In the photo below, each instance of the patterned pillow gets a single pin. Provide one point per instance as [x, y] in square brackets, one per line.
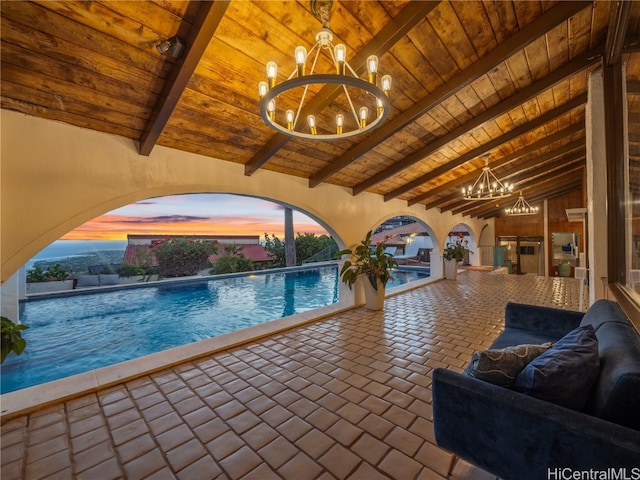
[502, 366]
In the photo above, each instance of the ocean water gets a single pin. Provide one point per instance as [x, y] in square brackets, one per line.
[61, 249]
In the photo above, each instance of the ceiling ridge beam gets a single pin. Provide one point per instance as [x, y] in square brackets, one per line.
[454, 200]
[200, 34]
[503, 51]
[534, 147]
[501, 108]
[482, 149]
[397, 28]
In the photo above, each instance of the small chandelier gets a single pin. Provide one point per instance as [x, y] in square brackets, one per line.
[487, 186]
[521, 207]
[361, 96]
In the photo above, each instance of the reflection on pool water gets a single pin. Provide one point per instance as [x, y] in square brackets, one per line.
[81, 332]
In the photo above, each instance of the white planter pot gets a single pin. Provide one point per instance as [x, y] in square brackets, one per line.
[374, 299]
[451, 269]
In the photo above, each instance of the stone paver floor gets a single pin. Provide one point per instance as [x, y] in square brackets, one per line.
[347, 397]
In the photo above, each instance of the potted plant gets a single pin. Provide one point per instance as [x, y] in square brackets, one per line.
[11, 336]
[454, 253]
[373, 266]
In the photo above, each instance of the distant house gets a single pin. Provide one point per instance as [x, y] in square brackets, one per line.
[248, 245]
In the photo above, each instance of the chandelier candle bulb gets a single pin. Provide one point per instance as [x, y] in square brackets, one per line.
[364, 113]
[272, 73]
[311, 120]
[372, 68]
[272, 109]
[340, 51]
[301, 59]
[339, 123]
[386, 84]
[263, 88]
[290, 117]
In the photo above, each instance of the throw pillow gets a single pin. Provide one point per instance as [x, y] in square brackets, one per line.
[566, 372]
[501, 366]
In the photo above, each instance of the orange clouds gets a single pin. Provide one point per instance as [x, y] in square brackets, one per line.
[116, 227]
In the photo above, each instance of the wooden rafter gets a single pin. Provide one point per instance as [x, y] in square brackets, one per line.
[200, 34]
[483, 149]
[501, 108]
[522, 38]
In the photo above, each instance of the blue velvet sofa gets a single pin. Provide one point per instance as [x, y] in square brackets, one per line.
[517, 436]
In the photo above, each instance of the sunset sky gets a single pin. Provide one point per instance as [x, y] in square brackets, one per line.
[194, 214]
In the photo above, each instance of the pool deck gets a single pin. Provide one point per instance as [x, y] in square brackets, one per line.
[346, 396]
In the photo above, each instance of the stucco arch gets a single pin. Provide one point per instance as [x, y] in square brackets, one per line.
[56, 177]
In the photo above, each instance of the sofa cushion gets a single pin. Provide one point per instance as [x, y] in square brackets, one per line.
[604, 311]
[502, 366]
[616, 395]
[566, 372]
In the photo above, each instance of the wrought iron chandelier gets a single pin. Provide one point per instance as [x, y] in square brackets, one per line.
[354, 98]
[521, 207]
[487, 186]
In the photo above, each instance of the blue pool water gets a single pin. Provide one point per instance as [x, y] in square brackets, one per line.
[82, 332]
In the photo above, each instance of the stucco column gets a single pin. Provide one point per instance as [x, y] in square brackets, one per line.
[596, 187]
[10, 293]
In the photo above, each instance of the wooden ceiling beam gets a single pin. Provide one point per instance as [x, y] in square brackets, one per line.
[616, 32]
[519, 167]
[501, 108]
[487, 147]
[529, 149]
[502, 52]
[200, 34]
[397, 28]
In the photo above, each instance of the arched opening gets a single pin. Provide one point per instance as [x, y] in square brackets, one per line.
[107, 241]
[411, 242]
[462, 234]
[122, 320]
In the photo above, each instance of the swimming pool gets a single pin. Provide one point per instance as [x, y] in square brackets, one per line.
[81, 332]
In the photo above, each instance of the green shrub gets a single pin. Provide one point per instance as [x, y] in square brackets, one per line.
[129, 270]
[181, 257]
[232, 263]
[51, 274]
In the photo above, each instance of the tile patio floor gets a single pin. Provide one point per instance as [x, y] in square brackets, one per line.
[346, 397]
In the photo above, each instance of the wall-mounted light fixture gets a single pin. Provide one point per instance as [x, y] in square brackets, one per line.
[172, 47]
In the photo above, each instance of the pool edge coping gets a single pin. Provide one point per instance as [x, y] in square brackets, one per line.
[31, 399]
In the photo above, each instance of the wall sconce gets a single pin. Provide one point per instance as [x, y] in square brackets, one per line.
[172, 47]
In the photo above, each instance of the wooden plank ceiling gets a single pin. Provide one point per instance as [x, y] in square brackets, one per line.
[506, 81]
